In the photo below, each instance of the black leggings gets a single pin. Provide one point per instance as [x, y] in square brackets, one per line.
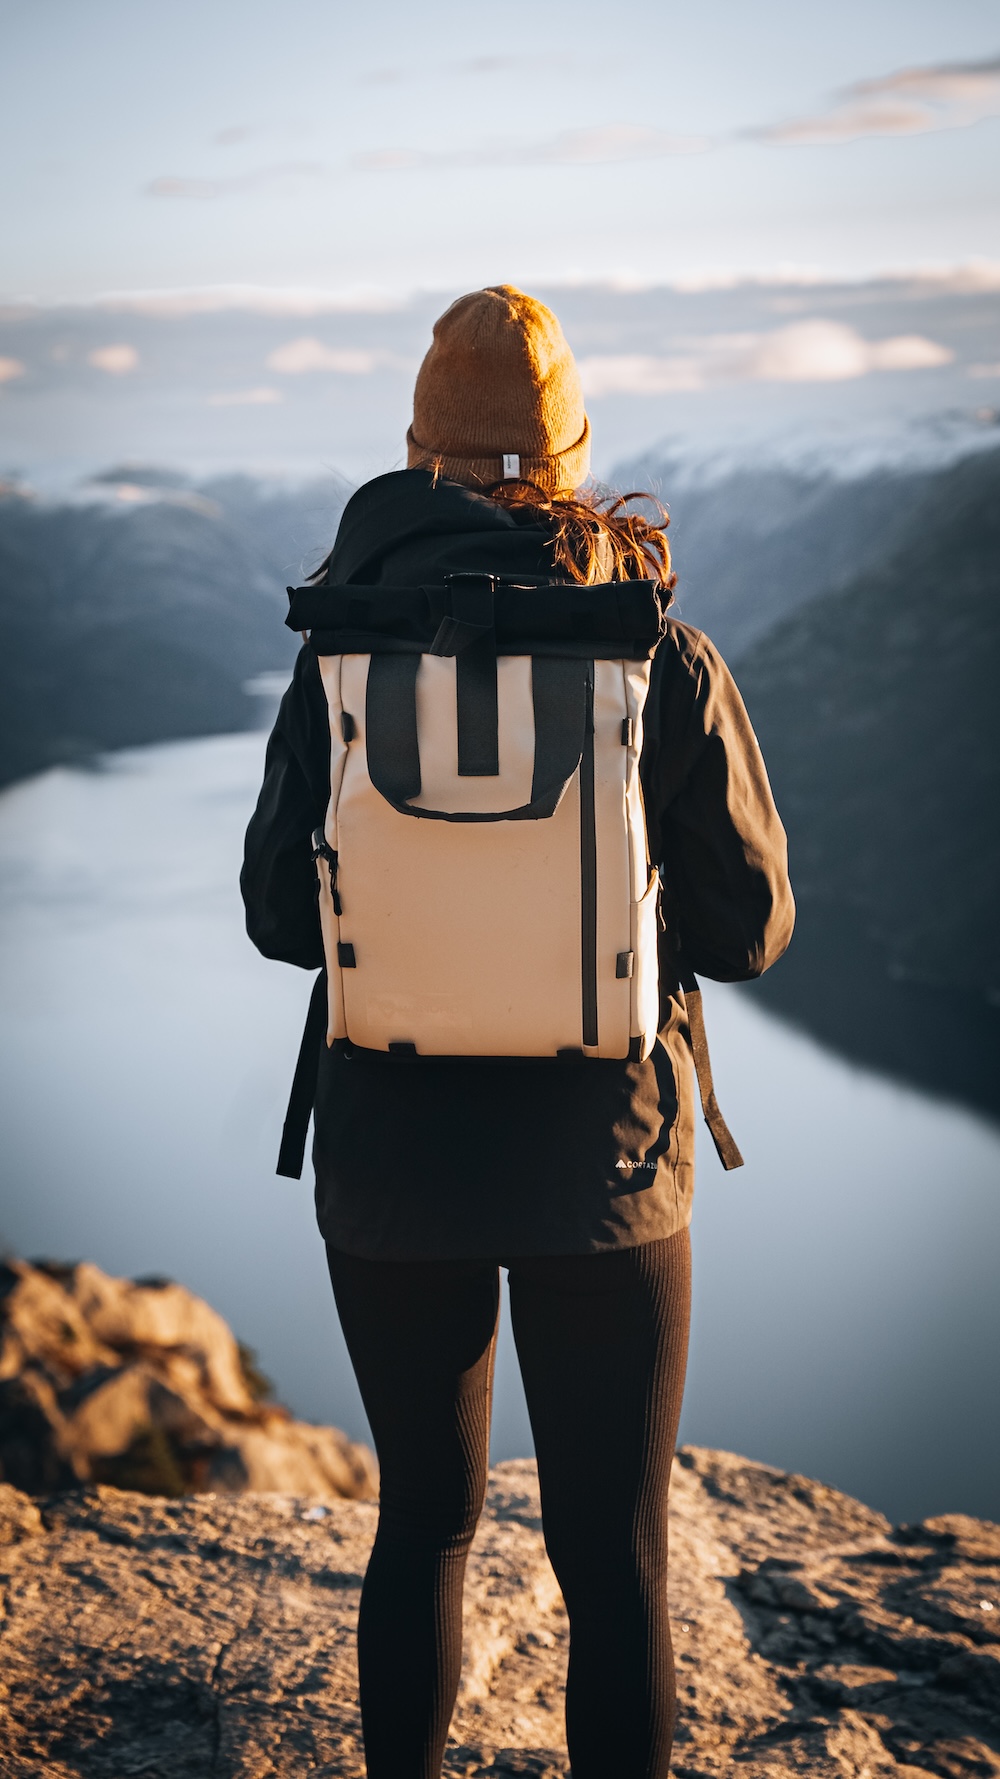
[602, 1343]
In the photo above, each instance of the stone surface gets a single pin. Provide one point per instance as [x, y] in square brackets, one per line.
[140, 1384]
[213, 1637]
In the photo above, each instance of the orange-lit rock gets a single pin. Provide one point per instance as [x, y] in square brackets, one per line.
[142, 1385]
[215, 1635]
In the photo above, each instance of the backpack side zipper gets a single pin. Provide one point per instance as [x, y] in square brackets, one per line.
[588, 871]
[321, 850]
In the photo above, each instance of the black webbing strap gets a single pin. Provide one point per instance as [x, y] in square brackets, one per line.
[728, 1153]
[559, 703]
[476, 682]
[303, 1095]
[558, 691]
[391, 727]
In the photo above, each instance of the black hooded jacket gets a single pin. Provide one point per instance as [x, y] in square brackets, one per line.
[437, 1157]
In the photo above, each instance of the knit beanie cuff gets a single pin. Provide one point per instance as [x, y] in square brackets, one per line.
[561, 473]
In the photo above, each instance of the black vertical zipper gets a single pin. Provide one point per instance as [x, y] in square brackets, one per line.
[322, 851]
[588, 870]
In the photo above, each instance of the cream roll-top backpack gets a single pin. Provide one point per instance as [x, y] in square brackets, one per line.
[485, 886]
[484, 878]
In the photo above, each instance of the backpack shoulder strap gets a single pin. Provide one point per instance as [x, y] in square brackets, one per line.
[728, 1153]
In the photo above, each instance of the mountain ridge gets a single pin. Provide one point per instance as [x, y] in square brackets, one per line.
[877, 709]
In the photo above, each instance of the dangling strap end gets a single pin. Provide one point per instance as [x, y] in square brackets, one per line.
[725, 1146]
[291, 1154]
[722, 1137]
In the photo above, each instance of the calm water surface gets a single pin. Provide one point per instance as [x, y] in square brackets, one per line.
[847, 1315]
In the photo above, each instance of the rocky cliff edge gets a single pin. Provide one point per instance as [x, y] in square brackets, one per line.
[211, 1634]
[213, 1637]
[140, 1384]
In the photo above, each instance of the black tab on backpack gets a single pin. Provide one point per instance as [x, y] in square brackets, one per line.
[345, 956]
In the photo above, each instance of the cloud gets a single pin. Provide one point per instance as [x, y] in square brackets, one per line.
[946, 96]
[493, 65]
[475, 65]
[964, 278]
[814, 351]
[599, 145]
[245, 398]
[236, 184]
[983, 370]
[298, 357]
[910, 101]
[11, 368]
[117, 361]
[251, 299]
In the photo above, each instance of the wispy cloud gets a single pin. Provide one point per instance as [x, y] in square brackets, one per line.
[942, 96]
[495, 64]
[965, 278]
[599, 144]
[116, 361]
[251, 299]
[174, 187]
[945, 96]
[474, 65]
[245, 398]
[814, 351]
[298, 358]
[11, 368]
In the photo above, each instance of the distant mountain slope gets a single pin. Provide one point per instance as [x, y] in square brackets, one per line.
[864, 621]
[754, 544]
[140, 622]
[878, 709]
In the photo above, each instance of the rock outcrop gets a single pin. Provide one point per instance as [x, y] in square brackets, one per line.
[214, 1637]
[140, 1384]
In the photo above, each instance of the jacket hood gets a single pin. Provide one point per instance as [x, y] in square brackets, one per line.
[425, 527]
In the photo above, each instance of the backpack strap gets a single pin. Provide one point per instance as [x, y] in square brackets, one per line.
[303, 1094]
[726, 1149]
[302, 1097]
[559, 698]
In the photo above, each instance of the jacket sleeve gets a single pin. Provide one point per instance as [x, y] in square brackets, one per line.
[713, 827]
[278, 879]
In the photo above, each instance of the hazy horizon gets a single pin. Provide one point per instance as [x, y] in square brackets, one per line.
[277, 384]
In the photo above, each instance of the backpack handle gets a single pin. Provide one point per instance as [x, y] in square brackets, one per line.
[559, 698]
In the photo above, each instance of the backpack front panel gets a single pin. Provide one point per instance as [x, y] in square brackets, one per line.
[492, 938]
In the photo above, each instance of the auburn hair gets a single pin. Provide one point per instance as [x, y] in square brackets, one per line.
[594, 535]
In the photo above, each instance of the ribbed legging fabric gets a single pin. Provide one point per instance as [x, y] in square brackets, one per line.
[602, 1344]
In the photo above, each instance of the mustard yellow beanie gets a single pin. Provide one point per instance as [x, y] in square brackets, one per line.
[498, 397]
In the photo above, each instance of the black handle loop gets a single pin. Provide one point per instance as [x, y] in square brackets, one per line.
[558, 693]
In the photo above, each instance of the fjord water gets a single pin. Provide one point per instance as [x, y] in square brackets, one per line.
[846, 1323]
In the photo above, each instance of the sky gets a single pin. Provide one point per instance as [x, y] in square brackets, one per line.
[202, 382]
[392, 148]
